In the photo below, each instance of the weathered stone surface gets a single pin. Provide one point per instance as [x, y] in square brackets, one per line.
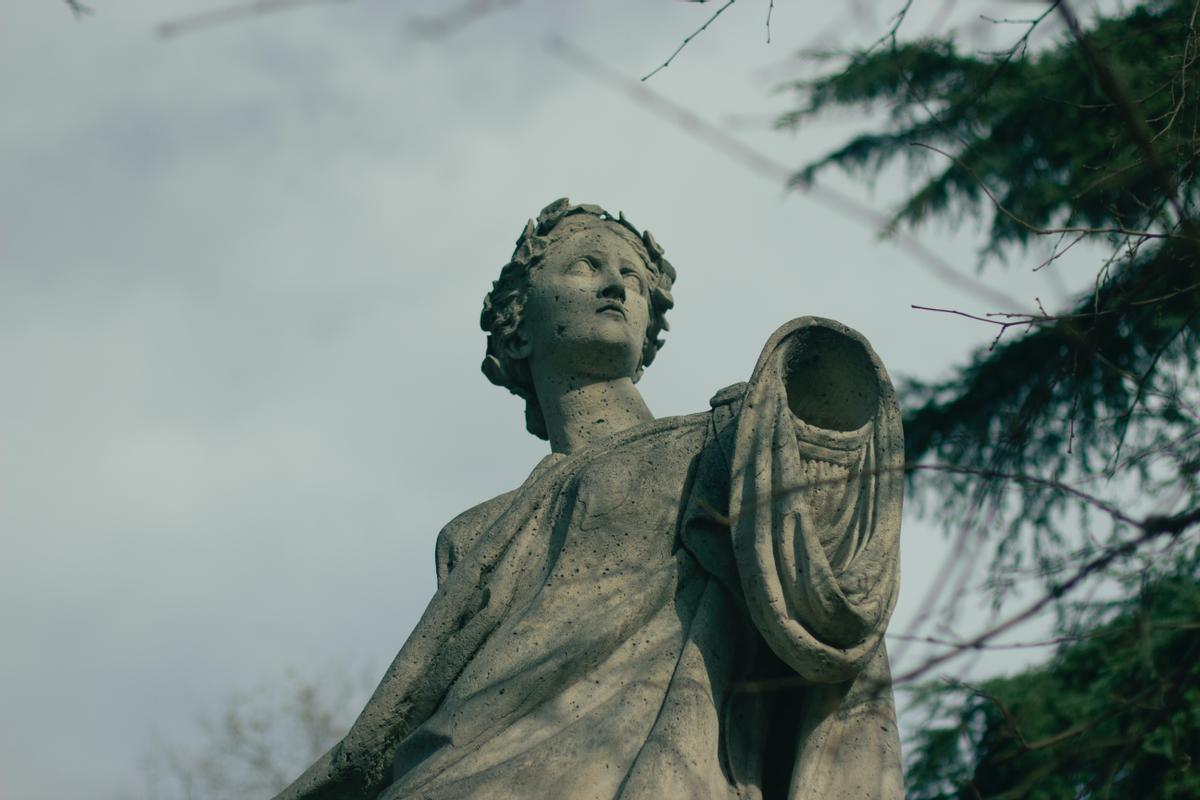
[686, 607]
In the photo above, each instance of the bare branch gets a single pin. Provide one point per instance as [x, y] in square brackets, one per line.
[1049, 741]
[688, 39]
[960, 645]
[1009, 319]
[1152, 528]
[892, 32]
[1053, 642]
[773, 170]
[1034, 228]
[1019, 47]
[1016, 319]
[1046, 483]
[1144, 381]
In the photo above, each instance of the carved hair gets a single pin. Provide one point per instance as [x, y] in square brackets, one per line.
[505, 303]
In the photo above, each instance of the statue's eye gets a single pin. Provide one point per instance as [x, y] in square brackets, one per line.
[633, 280]
[581, 267]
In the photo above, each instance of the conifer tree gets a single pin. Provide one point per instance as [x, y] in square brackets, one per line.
[1071, 446]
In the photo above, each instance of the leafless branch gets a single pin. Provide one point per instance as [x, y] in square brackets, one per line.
[1052, 642]
[1046, 483]
[1034, 228]
[1009, 319]
[1022, 320]
[1057, 253]
[959, 558]
[687, 39]
[960, 645]
[1152, 528]
[893, 31]
[1007, 21]
[1018, 47]
[1144, 381]
[1048, 741]
[771, 169]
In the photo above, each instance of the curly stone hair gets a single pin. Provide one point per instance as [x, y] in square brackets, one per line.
[505, 303]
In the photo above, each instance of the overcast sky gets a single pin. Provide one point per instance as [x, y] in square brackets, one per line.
[240, 279]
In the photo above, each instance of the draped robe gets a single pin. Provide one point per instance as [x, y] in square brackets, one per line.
[692, 608]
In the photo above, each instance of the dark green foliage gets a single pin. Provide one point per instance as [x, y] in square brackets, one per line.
[1084, 416]
[1102, 391]
[1038, 131]
[1114, 714]
[1103, 388]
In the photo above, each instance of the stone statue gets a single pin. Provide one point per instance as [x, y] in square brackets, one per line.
[689, 607]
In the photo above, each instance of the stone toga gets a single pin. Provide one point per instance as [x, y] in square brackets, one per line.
[693, 609]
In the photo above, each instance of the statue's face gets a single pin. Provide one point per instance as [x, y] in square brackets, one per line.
[588, 305]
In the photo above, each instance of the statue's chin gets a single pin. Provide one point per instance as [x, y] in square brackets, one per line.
[596, 358]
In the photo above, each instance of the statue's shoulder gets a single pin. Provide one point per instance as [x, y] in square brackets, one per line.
[725, 405]
[461, 532]
[731, 396]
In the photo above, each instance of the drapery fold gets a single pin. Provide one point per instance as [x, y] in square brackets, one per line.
[508, 551]
[800, 526]
[815, 522]
[815, 516]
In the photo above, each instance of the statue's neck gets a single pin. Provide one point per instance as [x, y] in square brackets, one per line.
[580, 410]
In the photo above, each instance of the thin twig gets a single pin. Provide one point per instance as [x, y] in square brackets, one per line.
[1048, 741]
[1009, 319]
[1016, 319]
[1022, 44]
[1127, 417]
[772, 169]
[1007, 21]
[1054, 642]
[1033, 480]
[1030, 226]
[1152, 527]
[904, 637]
[687, 39]
[896, 21]
[1057, 253]
[1156, 522]
[960, 557]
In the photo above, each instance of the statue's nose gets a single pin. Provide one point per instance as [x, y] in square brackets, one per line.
[613, 285]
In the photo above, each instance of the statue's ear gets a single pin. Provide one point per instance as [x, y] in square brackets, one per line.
[518, 346]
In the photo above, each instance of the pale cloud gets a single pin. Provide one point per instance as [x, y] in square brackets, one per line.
[240, 278]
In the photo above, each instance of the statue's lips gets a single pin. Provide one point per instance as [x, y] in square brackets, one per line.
[612, 307]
